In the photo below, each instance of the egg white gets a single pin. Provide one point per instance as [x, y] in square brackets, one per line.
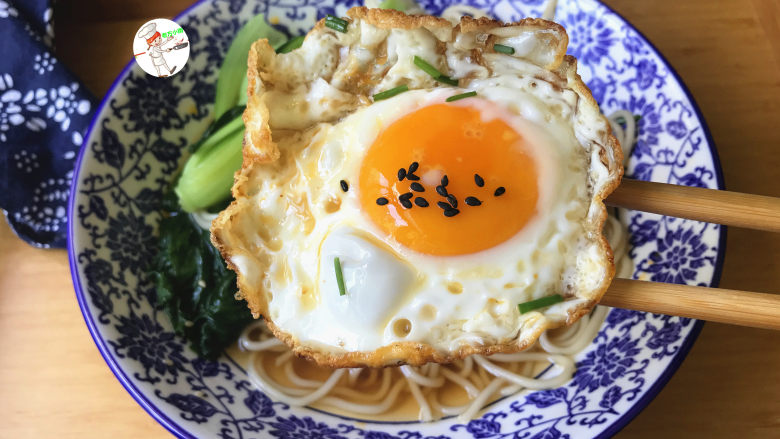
[386, 281]
[310, 120]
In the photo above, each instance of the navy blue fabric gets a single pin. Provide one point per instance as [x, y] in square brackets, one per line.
[44, 112]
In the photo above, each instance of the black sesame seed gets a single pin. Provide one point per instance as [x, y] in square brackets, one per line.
[405, 196]
[420, 201]
[445, 181]
[444, 205]
[413, 167]
[344, 185]
[479, 180]
[499, 191]
[381, 201]
[406, 203]
[401, 174]
[453, 201]
[441, 190]
[417, 187]
[451, 212]
[473, 201]
[412, 177]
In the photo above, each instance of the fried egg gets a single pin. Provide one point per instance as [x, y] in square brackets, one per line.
[373, 232]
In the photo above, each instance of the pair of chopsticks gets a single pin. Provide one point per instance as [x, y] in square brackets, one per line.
[736, 307]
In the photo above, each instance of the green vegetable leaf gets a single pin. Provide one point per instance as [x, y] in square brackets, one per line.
[194, 287]
[233, 69]
[228, 116]
[398, 5]
[243, 97]
[208, 175]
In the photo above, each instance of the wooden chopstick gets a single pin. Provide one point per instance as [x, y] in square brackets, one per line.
[735, 307]
[759, 310]
[709, 205]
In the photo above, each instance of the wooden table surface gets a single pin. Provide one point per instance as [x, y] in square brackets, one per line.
[53, 382]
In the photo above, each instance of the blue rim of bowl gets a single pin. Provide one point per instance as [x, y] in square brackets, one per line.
[181, 432]
[116, 369]
[685, 348]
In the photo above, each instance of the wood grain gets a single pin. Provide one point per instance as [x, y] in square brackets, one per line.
[729, 208]
[743, 308]
[53, 382]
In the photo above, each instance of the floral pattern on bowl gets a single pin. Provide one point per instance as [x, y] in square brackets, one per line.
[131, 153]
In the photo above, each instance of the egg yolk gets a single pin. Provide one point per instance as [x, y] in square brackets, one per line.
[453, 141]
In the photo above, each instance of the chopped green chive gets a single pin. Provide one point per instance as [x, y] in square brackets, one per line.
[336, 23]
[291, 45]
[461, 96]
[390, 93]
[447, 80]
[435, 74]
[338, 20]
[339, 276]
[427, 68]
[539, 303]
[500, 48]
[335, 26]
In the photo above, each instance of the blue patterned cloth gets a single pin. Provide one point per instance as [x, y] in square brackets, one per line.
[44, 112]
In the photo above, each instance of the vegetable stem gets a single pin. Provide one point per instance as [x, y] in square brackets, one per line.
[217, 137]
[208, 175]
[234, 67]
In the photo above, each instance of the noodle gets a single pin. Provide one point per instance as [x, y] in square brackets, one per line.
[479, 402]
[479, 377]
[367, 397]
[574, 339]
[447, 410]
[565, 363]
[468, 363]
[298, 381]
[368, 409]
[425, 408]
[549, 10]
[354, 373]
[420, 379]
[459, 380]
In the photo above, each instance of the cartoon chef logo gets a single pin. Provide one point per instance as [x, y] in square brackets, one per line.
[161, 48]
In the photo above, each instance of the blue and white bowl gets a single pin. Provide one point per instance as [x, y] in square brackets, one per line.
[136, 143]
